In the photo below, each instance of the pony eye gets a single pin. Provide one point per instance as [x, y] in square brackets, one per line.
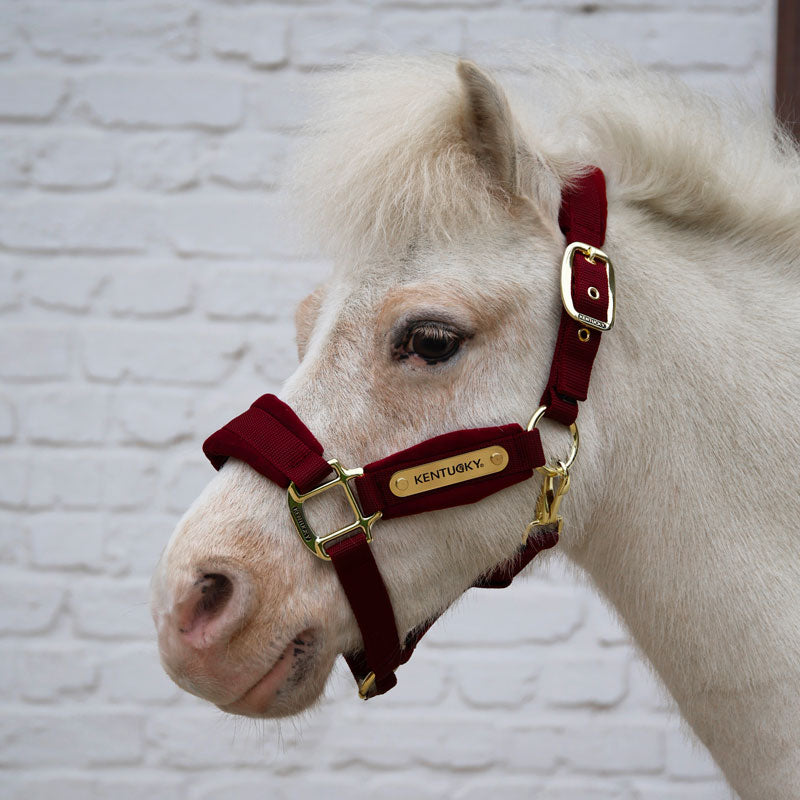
[431, 341]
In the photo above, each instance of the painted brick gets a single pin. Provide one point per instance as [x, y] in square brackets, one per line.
[195, 357]
[280, 100]
[115, 609]
[135, 541]
[10, 286]
[260, 36]
[68, 541]
[133, 674]
[609, 749]
[589, 681]
[30, 97]
[561, 789]
[13, 539]
[161, 162]
[61, 479]
[66, 416]
[98, 787]
[173, 735]
[476, 746]
[237, 227]
[64, 285]
[253, 788]
[34, 353]
[164, 100]
[132, 292]
[9, 32]
[70, 738]
[497, 681]
[129, 482]
[78, 225]
[604, 622]
[186, 480]
[708, 39]
[74, 162]
[16, 472]
[551, 615]
[28, 604]
[704, 790]
[276, 360]
[8, 420]
[519, 755]
[158, 128]
[686, 757]
[47, 673]
[646, 690]
[15, 161]
[407, 32]
[424, 682]
[321, 39]
[545, 789]
[248, 161]
[155, 418]
[89, 31]
[236, 293]
[486, 31]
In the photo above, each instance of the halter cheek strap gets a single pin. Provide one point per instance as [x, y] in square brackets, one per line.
[587, 294]
[450, 470]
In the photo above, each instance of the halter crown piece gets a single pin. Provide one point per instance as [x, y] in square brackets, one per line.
[454, 469]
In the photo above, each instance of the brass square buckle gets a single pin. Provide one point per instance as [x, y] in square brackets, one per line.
[317, 544]
[592, 255]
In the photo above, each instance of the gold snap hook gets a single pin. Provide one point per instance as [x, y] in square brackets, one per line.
[554, 487]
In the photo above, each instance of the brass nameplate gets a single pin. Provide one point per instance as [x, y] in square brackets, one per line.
[447, 471]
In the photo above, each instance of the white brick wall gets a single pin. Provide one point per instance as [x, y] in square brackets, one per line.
[147, 285]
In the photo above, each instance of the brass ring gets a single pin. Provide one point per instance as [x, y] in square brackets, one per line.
[583, 334]
[563, 466]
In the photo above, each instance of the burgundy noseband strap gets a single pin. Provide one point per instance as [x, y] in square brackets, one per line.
[450, 470]
[270, 437]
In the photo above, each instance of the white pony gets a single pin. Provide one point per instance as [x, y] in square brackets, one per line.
[438, 199]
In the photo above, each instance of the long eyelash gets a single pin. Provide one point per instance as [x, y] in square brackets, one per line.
[428, 328]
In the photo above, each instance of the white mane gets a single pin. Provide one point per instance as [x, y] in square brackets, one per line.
[385, 158]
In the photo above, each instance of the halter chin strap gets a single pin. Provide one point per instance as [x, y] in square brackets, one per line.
[454, 469]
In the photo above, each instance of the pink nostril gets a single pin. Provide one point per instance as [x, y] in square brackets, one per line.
[207, 613]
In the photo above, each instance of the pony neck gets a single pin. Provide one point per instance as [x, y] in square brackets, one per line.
[681, 503]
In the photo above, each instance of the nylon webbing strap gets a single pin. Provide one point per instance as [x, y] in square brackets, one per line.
[582, 219]
[366, 592]
[271, 438]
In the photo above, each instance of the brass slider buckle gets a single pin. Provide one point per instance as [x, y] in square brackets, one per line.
[592, 255]
[317, 544]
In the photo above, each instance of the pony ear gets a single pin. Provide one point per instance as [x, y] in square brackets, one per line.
[489, 126]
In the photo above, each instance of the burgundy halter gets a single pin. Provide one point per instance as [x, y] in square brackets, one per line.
[454, 469]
